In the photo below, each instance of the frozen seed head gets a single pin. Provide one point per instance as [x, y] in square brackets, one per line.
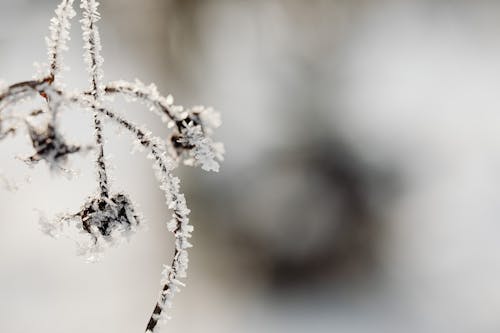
[104, 218]
[50, 146]
[105, 221]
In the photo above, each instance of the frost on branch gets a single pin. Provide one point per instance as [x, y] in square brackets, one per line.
[146, 94]
[192, 129]
[106, 219]
[92, 57]
[59, 36]
[195, 147]
[194, 143]
[92, 46]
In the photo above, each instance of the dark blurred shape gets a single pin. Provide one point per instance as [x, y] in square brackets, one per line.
[302, 216]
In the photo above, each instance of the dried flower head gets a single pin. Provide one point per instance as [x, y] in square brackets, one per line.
[109, 218]
[103, 217]
[50, 146]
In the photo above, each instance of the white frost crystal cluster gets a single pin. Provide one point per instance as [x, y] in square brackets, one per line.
[198, 148]
[109, 217]
[192, 129]
[60, 26]
[107, 221]
[146, 94]
[92, 45]
[102, 217]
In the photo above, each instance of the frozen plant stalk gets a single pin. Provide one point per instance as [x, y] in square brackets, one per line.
[108, 217]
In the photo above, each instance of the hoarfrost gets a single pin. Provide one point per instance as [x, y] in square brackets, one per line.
[106, 220]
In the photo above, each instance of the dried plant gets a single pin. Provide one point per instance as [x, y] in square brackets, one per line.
[107, 217]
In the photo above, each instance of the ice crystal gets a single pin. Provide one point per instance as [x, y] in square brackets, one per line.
[59, 36]
[208, 117]
[92, 46]
[107, 219]
[148, 95]
[198, 149]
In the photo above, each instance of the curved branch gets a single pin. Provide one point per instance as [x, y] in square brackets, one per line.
[148, 94]
[18, 91]
[179, 224]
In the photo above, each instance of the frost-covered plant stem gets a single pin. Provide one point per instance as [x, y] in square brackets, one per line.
[148, 94]
[59, 36]
[179, 224]
[60, 26]
[106, 217]
[93, 59]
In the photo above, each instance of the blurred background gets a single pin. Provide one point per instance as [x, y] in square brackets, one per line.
[361, 186]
